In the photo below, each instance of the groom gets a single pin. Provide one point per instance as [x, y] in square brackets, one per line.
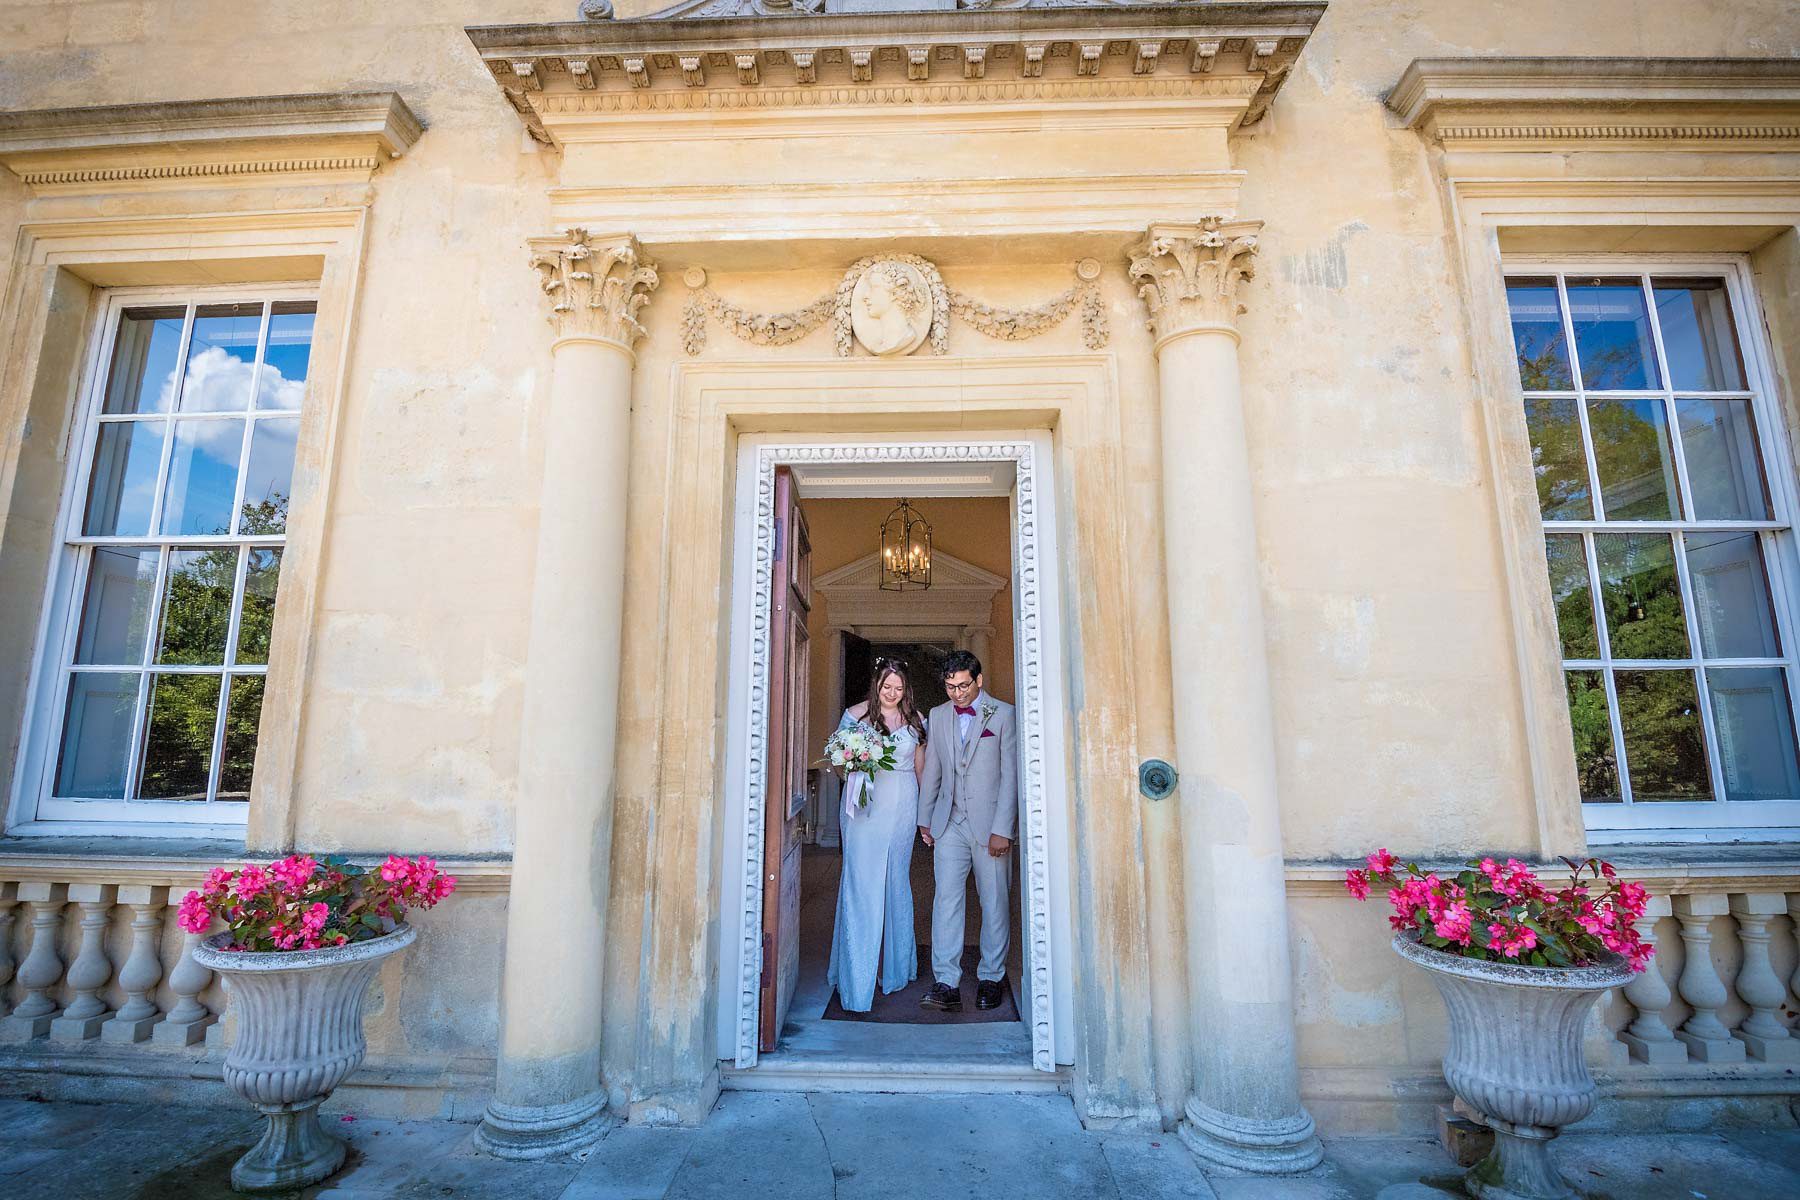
[968, 804]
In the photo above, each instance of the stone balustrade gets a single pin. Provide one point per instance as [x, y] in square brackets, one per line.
[82, 960]
[1721, 987]
[91, 952]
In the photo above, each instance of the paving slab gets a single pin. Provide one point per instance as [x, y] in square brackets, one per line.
[632, 1164]
[386, 1154]
[996, 1147]
[1155, 1169]
[1672, 1167]
[481, 1177]
[756, 1144]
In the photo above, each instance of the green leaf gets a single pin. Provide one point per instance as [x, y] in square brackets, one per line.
[1537, 959]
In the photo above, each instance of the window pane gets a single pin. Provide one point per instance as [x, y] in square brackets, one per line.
[262, 574]
[1612, 334]
[1731, 595]
[142, 378]
[1538, 341]
[290, 351]
[1640, 593]
[242, 712]
[96, 738]
[1557, 459]
[1574, 597]
[270, 476]
[221, 358]
[1633, 456]
[122, 487]
[202, 477]
[1718, 438]
[1698, 339]
[1756, 733]
[184, 710]
[1591, 721]
[115, 614]
[197, 605]
[1664, 742]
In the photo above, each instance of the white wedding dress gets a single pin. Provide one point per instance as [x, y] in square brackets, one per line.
[875, 903]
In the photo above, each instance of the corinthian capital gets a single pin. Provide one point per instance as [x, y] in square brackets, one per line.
[596, 285]
[1188, 275]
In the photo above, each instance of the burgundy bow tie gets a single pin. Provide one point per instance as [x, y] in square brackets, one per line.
[964, 712]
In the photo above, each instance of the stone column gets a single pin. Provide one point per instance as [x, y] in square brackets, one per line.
[980, 641]
[547, 1096]
[1244, 1108]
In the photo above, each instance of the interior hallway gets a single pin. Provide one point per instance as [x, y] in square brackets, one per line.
[807, 1035]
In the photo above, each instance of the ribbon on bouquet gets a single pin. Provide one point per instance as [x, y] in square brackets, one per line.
[853, 787]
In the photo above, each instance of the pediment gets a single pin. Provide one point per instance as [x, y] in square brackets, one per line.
[948, 575]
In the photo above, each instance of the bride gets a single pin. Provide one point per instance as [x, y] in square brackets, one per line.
[875, 904]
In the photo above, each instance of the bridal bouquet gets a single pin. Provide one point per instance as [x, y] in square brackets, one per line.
[858, 751]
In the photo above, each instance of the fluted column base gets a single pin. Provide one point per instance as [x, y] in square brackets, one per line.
[1283, 1146]
[525, 1131]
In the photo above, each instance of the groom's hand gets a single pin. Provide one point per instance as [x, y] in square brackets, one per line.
[925, 832]
[998, 846]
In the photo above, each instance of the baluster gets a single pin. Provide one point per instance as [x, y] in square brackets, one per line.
[186, 1023]
[1762, 1032]
[143, 966]
[91, 969]
[42, 967]
[1648, 1036]
[1701, 985]
[8, 898]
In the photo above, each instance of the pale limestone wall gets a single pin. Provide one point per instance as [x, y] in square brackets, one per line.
[1398, 705]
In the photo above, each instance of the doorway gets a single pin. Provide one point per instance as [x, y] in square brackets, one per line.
[777, 1006]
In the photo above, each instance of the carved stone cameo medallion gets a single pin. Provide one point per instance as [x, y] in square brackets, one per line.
[890, 309]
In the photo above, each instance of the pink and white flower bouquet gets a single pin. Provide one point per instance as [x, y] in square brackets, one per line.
[858, 750]
[303, 903]
[1501, 912]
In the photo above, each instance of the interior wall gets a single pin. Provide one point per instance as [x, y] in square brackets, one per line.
[976, 529]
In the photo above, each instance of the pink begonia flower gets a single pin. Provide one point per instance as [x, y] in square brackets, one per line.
[218, 882]
[395, 868]
[441, 887]
[1381, 862]
[1455, 923]
[1356, 882]
[293, 872]
[252, 881]
[194, 916]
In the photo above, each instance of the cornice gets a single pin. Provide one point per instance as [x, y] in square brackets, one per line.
[1727, 101]
[1231, 49]
[189, 141]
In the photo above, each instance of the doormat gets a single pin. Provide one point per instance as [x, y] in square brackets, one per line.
[902, 1008]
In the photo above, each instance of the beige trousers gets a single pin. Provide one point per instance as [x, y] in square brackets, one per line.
[956, 853]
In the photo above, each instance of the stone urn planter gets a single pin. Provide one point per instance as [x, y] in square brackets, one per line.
[1516, 1057]
[300, 1032]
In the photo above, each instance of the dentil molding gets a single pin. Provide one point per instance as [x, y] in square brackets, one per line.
[1723, 101]
[728, 54]
[595, 285]
[1188, 275]
[333, 135]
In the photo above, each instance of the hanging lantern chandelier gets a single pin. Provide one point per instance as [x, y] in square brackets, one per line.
[905, 550]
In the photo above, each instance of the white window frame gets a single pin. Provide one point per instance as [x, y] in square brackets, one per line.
[1718, 819]
[34, 810]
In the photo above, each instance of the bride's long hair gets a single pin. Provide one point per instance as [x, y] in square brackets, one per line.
[909, 710]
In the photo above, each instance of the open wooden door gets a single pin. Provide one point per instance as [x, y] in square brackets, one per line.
[789, 754]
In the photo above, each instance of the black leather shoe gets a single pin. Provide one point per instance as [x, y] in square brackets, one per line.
[990, 993]
[944, 999]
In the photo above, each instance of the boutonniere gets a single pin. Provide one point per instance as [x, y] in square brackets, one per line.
[988, 710]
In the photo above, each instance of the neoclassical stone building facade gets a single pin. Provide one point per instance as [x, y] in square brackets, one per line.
[1392, 407]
